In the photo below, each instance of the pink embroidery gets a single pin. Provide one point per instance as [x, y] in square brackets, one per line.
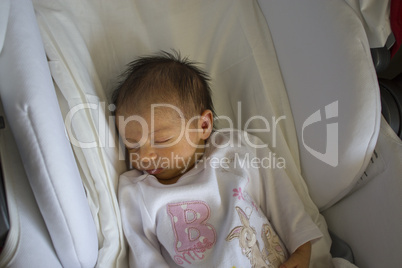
[254, 205]
[244, 196]
[238, 193]
[192, 232]
[187, 256]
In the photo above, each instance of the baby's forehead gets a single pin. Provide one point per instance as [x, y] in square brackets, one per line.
[167, 111]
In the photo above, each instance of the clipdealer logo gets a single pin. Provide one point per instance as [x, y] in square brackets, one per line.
[105, 136]
[330, 156]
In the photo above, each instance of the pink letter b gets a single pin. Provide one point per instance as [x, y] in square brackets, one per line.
[189, 221]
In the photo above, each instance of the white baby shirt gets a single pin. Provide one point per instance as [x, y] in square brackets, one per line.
[235, 208]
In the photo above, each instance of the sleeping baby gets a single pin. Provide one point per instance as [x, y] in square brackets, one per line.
[195, 196]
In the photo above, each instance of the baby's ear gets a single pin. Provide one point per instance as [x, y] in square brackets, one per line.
[206, 123]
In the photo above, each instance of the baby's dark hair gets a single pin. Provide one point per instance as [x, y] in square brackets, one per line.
[164, 78]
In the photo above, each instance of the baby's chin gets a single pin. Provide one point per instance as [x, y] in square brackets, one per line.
[165, 178]
[167, 181]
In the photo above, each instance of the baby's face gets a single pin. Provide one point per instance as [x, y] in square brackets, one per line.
[162, 143]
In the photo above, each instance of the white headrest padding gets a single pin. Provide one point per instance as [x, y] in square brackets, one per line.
[33, 112]
[374, 15]
[332, 88]
[4, 11]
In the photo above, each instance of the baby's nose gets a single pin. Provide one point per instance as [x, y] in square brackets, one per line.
[147, 153]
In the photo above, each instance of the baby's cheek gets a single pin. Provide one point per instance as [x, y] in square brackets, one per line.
[132, 158]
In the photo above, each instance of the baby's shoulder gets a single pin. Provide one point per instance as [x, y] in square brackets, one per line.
[234, 138]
